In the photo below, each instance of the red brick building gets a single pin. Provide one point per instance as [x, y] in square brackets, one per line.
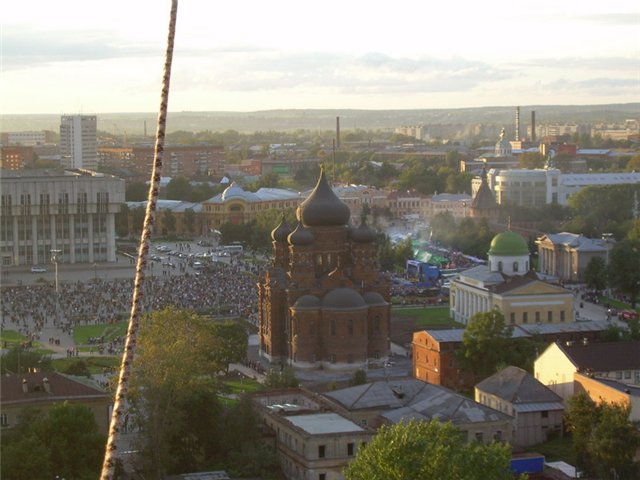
[324, 302]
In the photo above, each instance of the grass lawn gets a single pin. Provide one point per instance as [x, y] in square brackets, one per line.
[95, 364]
[426, 315]
[241, 386]
[556, 449]
[11, 336]
[615, 303]
[82, 333]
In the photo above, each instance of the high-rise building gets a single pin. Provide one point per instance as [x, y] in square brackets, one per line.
[78, 141]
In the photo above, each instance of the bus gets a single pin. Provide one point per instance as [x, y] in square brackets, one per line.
[237, 249]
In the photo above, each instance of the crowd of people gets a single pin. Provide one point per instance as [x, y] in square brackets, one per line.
[217, 289]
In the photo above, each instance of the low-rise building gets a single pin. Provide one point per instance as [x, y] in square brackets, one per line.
[537, 410]
[434, 351]
[312, 442]
[558, 364]
[457, 204]
[43, 390]
[566, 255]
[238, 206]
[506, 283]
[610, 391]
[392, 401]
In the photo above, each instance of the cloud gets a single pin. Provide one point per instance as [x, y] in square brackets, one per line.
[26, 47]
[372, 73]
[609, 64]
[597, 87]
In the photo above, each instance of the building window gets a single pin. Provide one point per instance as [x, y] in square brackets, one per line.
[512, 317]
[322, 476]
[350, 449]
[321, 451]
[562, 315]
[549, 316]
[499, 266]
[350, 326]
[537, 317]
[4, 421]
[498, 436]
[544, 414]
[525, 317]
[333, 326]
[333, 358]
[515, 266]
[479, 437]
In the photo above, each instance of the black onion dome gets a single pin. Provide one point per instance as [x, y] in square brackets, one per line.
[282, 231]
[343, 299]
[301, 236]
[374, 299]
[323, 208]
[363, 234]
[307, 302]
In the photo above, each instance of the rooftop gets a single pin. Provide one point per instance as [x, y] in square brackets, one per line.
[323, 423]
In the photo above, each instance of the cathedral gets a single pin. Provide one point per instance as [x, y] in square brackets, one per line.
[323, 303]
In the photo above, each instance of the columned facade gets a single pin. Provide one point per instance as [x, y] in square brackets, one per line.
[70, 211]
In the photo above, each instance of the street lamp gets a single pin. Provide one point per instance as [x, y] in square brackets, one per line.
[54, 258]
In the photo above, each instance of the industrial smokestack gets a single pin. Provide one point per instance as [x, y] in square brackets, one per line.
[337, 132]
[533, 125]
[517, 124]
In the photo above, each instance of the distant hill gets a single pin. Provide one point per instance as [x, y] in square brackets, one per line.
[289, 120]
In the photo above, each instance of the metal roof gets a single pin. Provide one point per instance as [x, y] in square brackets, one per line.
[320, 423]
[537, 407]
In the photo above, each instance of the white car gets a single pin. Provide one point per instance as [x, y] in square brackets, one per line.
[38, 270]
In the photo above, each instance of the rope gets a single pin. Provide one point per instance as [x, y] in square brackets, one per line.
[111, 454]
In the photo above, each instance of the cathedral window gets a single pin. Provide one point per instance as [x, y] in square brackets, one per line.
[515, 266]
[312, 328]
[350, 326]
[333, 326]
[319, 259]
[376, 323]
[499, 266]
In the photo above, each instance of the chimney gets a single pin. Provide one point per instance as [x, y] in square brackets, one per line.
[533, 126]
[337, 132]
[517, 124]
[25, 386]
[45, 384]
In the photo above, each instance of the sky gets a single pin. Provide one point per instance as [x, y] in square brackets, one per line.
[80, 56]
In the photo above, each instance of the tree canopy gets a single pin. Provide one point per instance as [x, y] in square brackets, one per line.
[64, 442]
[604, 440]
[624, 268]
[419, 449]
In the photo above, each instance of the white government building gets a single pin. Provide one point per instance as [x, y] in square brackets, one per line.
[70, 211]
[538, 187]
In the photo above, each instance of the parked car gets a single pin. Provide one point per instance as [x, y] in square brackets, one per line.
[35, 269]
[628, 314]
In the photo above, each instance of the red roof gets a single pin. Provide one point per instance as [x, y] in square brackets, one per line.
[61, 387]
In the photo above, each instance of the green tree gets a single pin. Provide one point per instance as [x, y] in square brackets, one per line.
[634, 164]
[595, 274]
[64, 442]
[604, 440]
[136, 192]
[189, 220]
[231, 344]
[20, 360]
[168, 222]
[178, 188]
[420, 449]
[485, 343]
[358, 378]
[624, 268]
[173, 379]
[281, 378]
[531, 160]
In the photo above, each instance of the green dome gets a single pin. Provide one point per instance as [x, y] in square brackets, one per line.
[509, 244]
